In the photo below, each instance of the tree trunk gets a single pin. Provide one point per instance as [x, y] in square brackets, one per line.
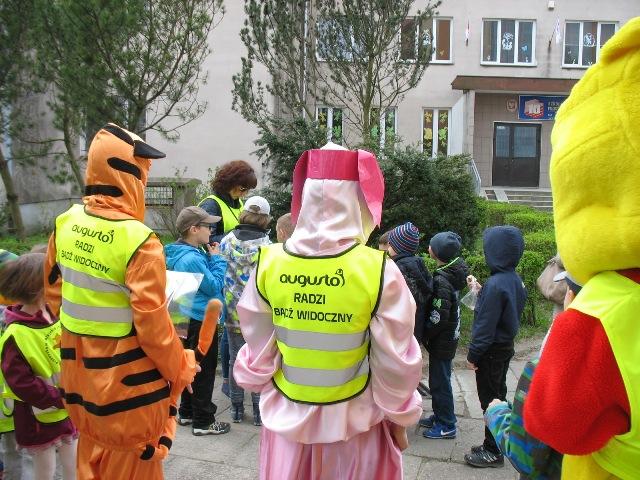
[71, 156]
[12, 196]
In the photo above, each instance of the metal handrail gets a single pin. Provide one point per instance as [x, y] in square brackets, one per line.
[473, 171]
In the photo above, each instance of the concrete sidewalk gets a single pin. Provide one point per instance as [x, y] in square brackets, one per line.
[235, 455]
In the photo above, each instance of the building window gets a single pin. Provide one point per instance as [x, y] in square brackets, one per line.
[508, 42]
[335, 40]
[583, 41]
[383, 126]
[435, 131]
[330, 119]
[436, 34]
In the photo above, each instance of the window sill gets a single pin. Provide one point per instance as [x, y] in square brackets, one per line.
[572, 66]
[496, 64]
[441, 62]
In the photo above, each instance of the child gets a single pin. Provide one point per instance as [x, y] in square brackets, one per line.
[495, 324]
[284, 228]
[42, 425]
[532, 458]
[443, 330]
[403, 244]
[383, 241]
[186, 255]
[240, 248]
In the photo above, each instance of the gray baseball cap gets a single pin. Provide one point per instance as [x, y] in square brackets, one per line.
[190, 216]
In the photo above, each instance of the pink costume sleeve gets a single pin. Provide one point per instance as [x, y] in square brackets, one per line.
[395, 361]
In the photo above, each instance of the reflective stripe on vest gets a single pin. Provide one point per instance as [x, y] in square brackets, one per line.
[93, 254]
[615, 301]
[229, 214]
[6, 415]
[40, 348]
[321, 309]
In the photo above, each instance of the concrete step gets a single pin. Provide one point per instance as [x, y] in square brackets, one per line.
[527, 196]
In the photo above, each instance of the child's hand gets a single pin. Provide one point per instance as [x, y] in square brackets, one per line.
[473, 284]
[213, 248]
[495, 401]
[399, 434]
[471, 366]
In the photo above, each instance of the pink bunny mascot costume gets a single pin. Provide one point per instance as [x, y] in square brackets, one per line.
[337, 201]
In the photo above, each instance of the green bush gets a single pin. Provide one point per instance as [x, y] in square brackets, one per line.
[494, 213]
[435, 194]
[543, 242]
[477, 266]
[530, 267]
[532, 221]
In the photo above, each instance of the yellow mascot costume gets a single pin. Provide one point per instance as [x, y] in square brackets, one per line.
[584, 400]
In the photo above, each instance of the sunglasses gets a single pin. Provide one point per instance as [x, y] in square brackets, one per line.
[210, 226]
[243, 189]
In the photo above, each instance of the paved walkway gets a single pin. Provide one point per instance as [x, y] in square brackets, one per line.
[235, 455]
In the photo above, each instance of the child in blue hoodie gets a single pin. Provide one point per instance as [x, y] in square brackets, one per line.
[495, 324]
[187, 255]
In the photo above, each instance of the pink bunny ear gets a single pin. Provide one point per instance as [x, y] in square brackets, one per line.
[356, 166]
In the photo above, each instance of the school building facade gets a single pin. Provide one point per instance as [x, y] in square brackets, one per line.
[499, 71]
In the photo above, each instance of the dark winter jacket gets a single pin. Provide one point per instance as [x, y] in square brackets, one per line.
[212, 208]
[420, 284]
[443, 321]
[501, 300]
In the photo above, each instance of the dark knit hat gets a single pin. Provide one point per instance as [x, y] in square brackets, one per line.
[405, 238]
[446, 246]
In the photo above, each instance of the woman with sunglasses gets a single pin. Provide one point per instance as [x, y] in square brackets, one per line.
[230, 185]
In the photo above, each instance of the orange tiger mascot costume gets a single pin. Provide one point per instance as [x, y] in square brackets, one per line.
[123, 366]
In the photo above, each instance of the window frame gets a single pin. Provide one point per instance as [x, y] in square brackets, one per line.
[330, 121]
[579, 65]
[515, 63]
[348, 54]
[432, 59]
[382, 131]
[436, 116]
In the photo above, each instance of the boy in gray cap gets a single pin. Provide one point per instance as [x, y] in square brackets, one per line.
[443, 330]
[187, 255]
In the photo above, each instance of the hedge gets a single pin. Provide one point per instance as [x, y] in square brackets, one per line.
[531, 221]
[542, 242]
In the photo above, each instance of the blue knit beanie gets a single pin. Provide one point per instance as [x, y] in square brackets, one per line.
[405, 238]
[446, 246]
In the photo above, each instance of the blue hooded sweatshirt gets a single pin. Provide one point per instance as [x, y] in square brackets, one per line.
[501, 300]
[182, 257]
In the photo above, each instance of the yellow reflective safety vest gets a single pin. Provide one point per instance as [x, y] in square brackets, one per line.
[615, 300]
[93, 254]
[230, 215]
[41, 349]
[321, 308]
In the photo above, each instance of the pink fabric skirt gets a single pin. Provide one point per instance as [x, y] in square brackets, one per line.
[371, 455]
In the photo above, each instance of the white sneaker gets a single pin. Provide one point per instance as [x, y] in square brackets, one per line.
[216, 428]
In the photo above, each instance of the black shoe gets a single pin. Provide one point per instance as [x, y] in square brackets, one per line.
[477, 448]
[483, 458]
[237, 412]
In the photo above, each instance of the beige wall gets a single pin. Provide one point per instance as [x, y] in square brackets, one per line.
[220, 134]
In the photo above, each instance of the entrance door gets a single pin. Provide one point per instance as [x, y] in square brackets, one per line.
[516, 154]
